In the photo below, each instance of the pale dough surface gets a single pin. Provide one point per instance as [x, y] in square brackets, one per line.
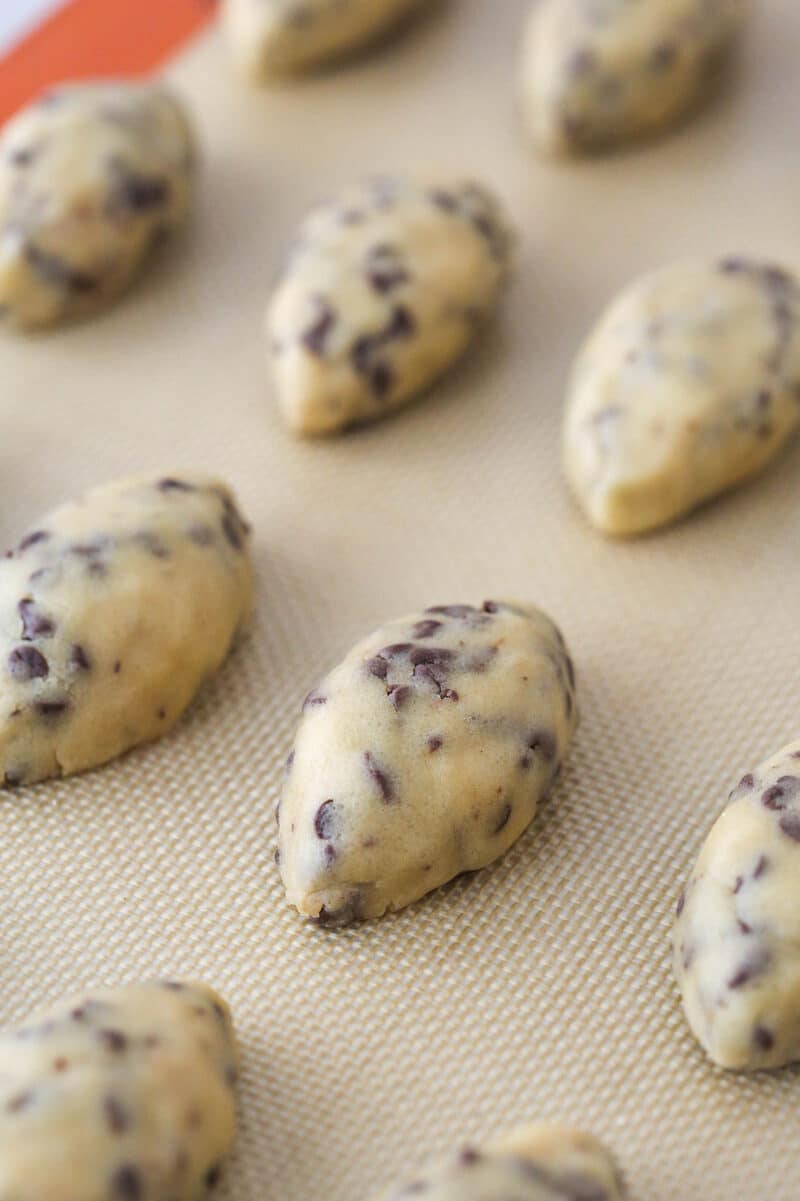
[113, 611]
[539, 1162]
[122, 1094]
[737, 933]
[596, 72]
[91, 175]
[422, 755]
[272, 37]
[689, 384]
[384, 288]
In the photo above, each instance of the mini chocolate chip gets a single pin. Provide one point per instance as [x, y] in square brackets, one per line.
[350, 911]
[117, 667]
[543, 742]
[435, 743]
[289, 764]
[443, 200]
[395, 650]
[461, 612]
[503, 819]
[51, 708]
[469, 1157]
[126, 1183]
[201, 535]
[430, 655]
[773, 798]
[745, 783]
[34, 623]
[78, 659]
[761, 867]
[790, 825]
[743, 927]
[664, 56]
[19, 1102]
[78, 1015]
[26, 663]
[161, 714]
[763, 1038]
[314, 698]
[738, 883]
[377, 667]
[115, 1115]
[680, 904]
[232, 531]
[12, 779]
[170, 484]
[380, 378]
[379, 776]
[133, 193]
[491, 607]
[426, 628]
[751, 969]
[315, 338]
[32, 539]
[213, 1176]
[114, 1040]
[57, 272]
[61, 1064]
[325, 820]
[398, 694]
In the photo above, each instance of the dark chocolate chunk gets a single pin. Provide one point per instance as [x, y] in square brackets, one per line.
[435, 742]
[377, 667]
[763, 1038]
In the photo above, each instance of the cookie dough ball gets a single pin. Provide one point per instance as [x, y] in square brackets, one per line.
[689, 385]
[542, 1162]
[91, 175]
[113, 611]
[598, 72]
[119, 1095]
[384, 289]
[737, 933]
[276, 37]
[423, 755]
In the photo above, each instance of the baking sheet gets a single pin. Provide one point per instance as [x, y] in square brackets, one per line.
[541, 987]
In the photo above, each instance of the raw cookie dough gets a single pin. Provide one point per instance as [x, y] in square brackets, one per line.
[383, 291]
[274, 37]
[737, 933]
[90, 176]
[542, 1162]
[123, 1095]
[422, 755]
[113, 611]
[689, 385]
[597, 72]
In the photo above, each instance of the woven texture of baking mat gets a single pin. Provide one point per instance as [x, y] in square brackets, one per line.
[542, 986]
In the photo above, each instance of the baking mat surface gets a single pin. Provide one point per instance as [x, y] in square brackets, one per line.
[541, 987]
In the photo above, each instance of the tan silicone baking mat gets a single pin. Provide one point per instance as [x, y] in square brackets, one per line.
[542, 986]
